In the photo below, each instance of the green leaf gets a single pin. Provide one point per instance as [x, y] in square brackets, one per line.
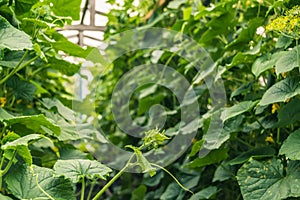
[176, 4]
[2, 197]
[146, 103]
[244, 88]
[224, 172]
[64, 111]
[217, 26]
[206, 193]
[11, 59]
[290, 147]
[289, 113]
[261, 152]
[63, 44]
[283, 42]
[139, 193]
[12, 38]
[196, 147]
[21, 89]
[24, 152]
[246, 34]
[39, 88]
[36, 123]
[142, 161]
[39, 23]
[214, 156]
[286, 62]
[266, 180]
[36, 182]
[23, 141]
[171, 192]
[4, 114]
[263, 63]
[20, 144]
[67, 131]
[23, 6]
[237, 109]
[241, 58]
[216, 135]
[76, 169]
[67, 8]
[153, 181]
[71, 153]
[63, 66]
[281, 91]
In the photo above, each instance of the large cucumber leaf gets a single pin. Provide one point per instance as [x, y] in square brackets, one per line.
[281, 91]
[269, 180]
[36, 182]
[237, 109]
[12, 38]
[36, 123]
[291, 146]
[76, 169]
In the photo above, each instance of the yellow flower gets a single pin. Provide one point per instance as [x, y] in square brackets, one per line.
[275, 107]
[288, 25]
[2, 101]
[270, 139]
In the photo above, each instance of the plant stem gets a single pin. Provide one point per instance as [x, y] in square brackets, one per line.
[7, 167]
[253, 115]
[1, 164]
[2, 133]
[243, 142]
[98, 195]
[18, 67]
[176, 180]
[297, 49]
[278, 136]
[82, 189]
[166, 65]
[37, 71]
[91, 190]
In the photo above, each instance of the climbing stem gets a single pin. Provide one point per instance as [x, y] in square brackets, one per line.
[82, 189]
[91, 190]
[98, 195]
[18, 67]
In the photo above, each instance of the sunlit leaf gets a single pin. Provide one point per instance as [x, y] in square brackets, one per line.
[12, 38]
[26, 182]
[76, 169]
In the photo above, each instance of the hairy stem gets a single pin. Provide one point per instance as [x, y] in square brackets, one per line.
[91, 190]
[98, 195]
[82, 189]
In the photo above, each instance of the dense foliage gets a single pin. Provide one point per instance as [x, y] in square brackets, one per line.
[47, 154]
[39, 159]
[255, 47]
